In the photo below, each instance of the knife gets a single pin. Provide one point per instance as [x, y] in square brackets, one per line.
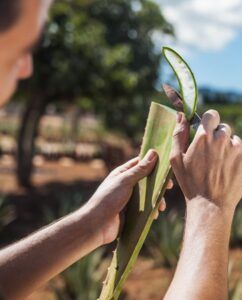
[176, 101]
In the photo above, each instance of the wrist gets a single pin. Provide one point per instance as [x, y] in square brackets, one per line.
[89, 220]
[200, 205]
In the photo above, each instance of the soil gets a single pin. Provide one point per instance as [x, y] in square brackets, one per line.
[145, 282]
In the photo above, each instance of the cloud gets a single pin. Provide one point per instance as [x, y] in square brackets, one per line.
[202, 24]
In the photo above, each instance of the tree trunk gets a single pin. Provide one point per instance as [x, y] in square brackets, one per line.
[27, 134]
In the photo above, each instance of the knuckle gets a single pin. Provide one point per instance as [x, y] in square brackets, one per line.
[142, 166]
[179, 129]
[227, 126]
[237, 143]
[113, 172]
[202, 136]
[125, 180]
[222, 136]
[175, 159]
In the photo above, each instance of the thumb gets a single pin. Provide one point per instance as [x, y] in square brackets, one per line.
[180, 140]
[142, 169]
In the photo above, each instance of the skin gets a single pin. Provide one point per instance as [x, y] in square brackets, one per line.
[210, 175]
[16, 46]
[31, 262]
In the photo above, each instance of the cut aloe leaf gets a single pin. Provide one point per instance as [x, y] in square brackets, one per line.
[186, 79]
[145, 200]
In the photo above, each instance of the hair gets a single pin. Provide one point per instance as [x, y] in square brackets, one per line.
[10, 11]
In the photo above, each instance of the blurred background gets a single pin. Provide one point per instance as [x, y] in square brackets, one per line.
[83, 113]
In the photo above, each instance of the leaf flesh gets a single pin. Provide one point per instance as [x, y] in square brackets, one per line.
[186, 81]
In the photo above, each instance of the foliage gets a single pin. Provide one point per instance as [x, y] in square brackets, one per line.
[100, 55]
[230, 113]
[164, 241]
[144, 202]
[213, 96]
[236, 292]
[82, 279]
[236, 232]
[7, 212]
[235, 286]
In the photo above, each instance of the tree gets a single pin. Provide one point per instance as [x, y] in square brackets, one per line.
[98, 54]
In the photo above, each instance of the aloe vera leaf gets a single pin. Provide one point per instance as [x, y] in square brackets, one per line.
[145, 200]
[186, 79]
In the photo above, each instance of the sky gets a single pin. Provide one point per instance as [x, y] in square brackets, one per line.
[209, 36]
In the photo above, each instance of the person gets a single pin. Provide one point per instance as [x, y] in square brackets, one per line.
[210, 175]
[29, 263]
[207, 173]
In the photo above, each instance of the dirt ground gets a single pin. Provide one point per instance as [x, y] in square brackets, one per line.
[146, 281]
[64, 171]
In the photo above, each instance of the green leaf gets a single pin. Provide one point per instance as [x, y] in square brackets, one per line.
[186, 81]
[145, 200]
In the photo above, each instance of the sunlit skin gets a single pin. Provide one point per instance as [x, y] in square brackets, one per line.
[210, 175]
[43, 255]
[210, 200]
[16, 45]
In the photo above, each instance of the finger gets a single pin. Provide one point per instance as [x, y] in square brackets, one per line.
[210, 121]
[161, 208]
[223, 132]
[170, 184]
[156, 215]
[129, 164]
[236, 141]
[162, 205]
[180, 140]
[142, 169]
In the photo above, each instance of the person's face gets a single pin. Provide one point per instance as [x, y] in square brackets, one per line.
[16, 46]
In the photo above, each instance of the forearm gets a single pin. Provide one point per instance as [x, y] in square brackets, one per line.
[202, 268]
[30, 263]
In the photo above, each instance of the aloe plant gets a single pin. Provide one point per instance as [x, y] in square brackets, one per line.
[186, 79]
[145, 199]
[148, 192]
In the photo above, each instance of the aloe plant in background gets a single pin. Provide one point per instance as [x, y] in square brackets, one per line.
[81, 280]
[164, 241]
[148, 192]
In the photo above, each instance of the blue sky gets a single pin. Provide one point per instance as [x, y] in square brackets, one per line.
[221, 69]
[209, 36]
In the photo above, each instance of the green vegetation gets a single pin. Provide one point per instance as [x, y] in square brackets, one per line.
[99, 56]
[144, 202]
[230, 113]
[186, 79]
[164, 242]
[82, 280]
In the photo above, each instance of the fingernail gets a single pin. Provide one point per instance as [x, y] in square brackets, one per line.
[179, 117]
[150, 155]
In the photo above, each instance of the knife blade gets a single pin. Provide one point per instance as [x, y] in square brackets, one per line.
[176, 101]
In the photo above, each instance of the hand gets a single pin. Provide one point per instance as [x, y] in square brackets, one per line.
[211, 168]
[114, 193]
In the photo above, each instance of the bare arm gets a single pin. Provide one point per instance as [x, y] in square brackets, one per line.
[28, 264]
[202, 268]
[210, 175]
